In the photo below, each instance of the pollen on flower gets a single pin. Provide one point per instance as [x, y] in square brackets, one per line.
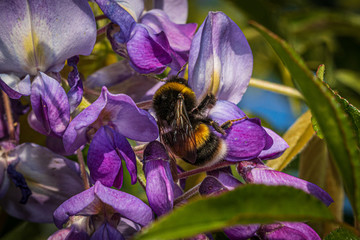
[36, 55]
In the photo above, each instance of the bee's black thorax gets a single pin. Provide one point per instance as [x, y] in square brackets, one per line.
[166, 97]
[184, 126]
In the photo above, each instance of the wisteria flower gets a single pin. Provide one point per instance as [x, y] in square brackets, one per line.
[108, 122]
[150, 40]
[38, 36]
[35, 180]
[256, 171]
[102, 213]
[160, 187]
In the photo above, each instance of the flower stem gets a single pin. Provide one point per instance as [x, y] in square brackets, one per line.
[191, 192]
[274, 87]
[82, 169]
[100, 17]
[204, 169]
[9, 117]
[102, 30]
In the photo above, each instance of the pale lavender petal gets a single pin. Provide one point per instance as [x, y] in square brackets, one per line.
[121, 78]
[159, 181]
[106, 232]
[41, 35]
[14, 86]
[148, 52]
[287, 230]
[257, 172]
[220, 59]
[53, 180]
[224, 111]
[125, 204]
[277, 148]
[4, 179]
[117, 110]
[36, 124]
[246, 138]
[76, 87]
[133, 7]
[104, 157]
[55, 144]
[241, 232]
[110, 75]
[177, 10]
[117, 14]
[50, 104]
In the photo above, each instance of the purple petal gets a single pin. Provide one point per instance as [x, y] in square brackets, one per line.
[257, 172]
[76, 87]
[225, 177]
[125, 204]
[104, 157]
[177, 10]
[53, 179]
[14, 86]
[246, 138]
[287, 230]
[148, 52]
[277, 148]
[179, 36]
[159, 181]
[241, 232]
[41, 35]
[83, 204]
[50, 104]
[106, 231]
[220, 59]
[117, 14]
[211, 186]
[117, 110]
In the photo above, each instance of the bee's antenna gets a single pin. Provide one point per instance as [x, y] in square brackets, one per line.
[181, 69]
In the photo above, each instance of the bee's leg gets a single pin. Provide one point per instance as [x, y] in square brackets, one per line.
[215, 125]
[229, 123]
[207, 102]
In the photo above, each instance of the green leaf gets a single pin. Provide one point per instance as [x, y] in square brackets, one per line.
[341, 233]
[315, 166]
[331, 117]
[316, 128]
[297, 136]
[247, 204]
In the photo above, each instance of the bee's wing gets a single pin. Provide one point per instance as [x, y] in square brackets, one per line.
[184, 132]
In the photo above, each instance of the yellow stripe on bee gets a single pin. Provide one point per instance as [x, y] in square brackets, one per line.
[176, 87]
[202, 133]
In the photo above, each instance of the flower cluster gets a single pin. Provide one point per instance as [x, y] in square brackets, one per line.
[37, 37]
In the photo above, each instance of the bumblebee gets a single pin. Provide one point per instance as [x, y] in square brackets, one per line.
[184, 125]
